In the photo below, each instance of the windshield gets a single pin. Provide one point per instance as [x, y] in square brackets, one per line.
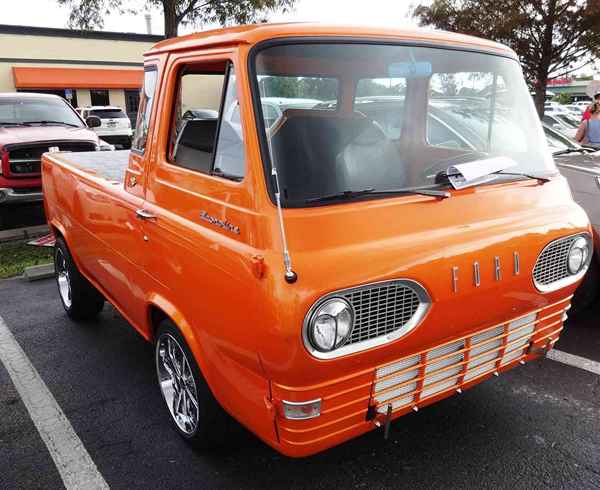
[29, 110]
[369, 116]
[108, 113]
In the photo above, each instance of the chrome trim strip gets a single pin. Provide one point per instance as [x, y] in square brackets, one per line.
[419, 315]
[517, 263]
[476, 274]
[567, 281]
[455, 279]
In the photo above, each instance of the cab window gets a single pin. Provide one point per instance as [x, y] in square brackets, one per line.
[206, 134]
[145, 110]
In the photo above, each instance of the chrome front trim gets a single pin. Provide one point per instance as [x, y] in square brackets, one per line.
[497, 269]
[517, 263]
[9, 196]
[476, 274]
[571, 279]
[346, 349]
[455, 279]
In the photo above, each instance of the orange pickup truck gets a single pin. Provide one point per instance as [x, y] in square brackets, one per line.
[322, 228]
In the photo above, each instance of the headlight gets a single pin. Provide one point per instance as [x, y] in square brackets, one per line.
[330, 324]
[578, 255]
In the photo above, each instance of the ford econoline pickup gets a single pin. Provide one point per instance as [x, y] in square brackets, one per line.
[395, 234]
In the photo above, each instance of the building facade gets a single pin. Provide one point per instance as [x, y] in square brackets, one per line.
[84, 67]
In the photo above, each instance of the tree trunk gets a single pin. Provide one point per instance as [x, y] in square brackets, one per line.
[540, 92]
[171, 20]
[544, 66]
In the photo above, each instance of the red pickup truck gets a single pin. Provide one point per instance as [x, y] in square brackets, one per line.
[30, 125]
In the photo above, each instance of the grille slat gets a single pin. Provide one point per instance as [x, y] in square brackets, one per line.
[551, 265]
[381, 309]
[397, 383]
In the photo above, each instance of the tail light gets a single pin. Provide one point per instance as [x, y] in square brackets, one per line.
[3, 160]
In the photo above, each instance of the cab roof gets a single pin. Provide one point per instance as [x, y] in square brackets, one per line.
[255, 33]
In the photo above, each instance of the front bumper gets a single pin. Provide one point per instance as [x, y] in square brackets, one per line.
[360, 401]
[10, 196]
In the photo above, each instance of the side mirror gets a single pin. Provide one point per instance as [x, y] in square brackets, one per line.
[93, 122]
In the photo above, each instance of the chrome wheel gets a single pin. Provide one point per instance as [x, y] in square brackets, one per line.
[62, 277]
[177, 383]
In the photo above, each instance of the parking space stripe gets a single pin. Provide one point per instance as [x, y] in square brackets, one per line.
[575, 361]
[73, 462]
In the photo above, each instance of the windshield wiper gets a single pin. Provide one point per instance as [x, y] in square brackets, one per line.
[10, 123]
[443, 177]
[542, 179]
[571, 150]
[62, 123]
[349, 194]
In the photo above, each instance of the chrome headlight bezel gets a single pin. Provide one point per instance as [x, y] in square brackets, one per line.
[579, 246]
[332, 309]
[356, 347]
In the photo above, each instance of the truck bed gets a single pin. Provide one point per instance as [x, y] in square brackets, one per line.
[110, 165]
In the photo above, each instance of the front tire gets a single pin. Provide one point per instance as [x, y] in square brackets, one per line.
[193, 410]
[79, 298]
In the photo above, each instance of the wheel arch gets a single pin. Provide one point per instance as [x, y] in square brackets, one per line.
[160, 309]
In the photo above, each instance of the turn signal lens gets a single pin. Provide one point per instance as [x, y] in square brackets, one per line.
[301, 410]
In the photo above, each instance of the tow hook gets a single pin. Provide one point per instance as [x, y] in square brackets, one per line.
[541, 351]
[380, 420]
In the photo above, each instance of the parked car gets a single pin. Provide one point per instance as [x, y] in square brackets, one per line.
[562, 122]
[115, 127]
[581, 167]
[318, 277]
[30, 125]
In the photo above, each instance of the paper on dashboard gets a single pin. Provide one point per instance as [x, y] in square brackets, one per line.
[478, 171]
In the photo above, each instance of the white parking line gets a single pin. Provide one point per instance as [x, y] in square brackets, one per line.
[575, 361]
[73, 462]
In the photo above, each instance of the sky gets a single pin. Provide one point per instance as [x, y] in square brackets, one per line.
[371, 12]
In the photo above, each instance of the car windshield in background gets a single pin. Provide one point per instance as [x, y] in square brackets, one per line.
[368, 116]
[108, 114]
[32, 111]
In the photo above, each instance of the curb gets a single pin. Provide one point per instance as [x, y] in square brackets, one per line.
[37, 272]
[23, 233]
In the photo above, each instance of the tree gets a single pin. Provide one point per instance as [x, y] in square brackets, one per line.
[562, 98]
[89, 14]
[551, 37]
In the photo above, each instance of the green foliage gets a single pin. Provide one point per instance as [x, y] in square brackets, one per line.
[300, 87]
[562, 98]
[89, 14]
[551, 37]
[15, 256]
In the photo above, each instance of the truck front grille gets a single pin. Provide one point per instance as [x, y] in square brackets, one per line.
[551, 265]
[381, 309]
[415, 378]
[26, 159]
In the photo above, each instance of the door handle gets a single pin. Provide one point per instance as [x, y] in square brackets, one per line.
[144, 214]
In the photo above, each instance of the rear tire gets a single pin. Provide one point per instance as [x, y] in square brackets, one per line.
[79, 298]
[194, 412]
[588, 290]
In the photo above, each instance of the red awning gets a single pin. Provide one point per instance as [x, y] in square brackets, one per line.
[50, 77]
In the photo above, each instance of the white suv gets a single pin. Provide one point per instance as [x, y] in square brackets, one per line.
[115, 126]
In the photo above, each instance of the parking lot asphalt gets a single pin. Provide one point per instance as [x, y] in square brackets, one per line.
[537, 426]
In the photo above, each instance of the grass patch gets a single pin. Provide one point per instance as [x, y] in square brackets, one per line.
[15, 256]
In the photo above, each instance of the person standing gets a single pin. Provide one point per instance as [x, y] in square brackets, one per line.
[587, 113]
[589, 129]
